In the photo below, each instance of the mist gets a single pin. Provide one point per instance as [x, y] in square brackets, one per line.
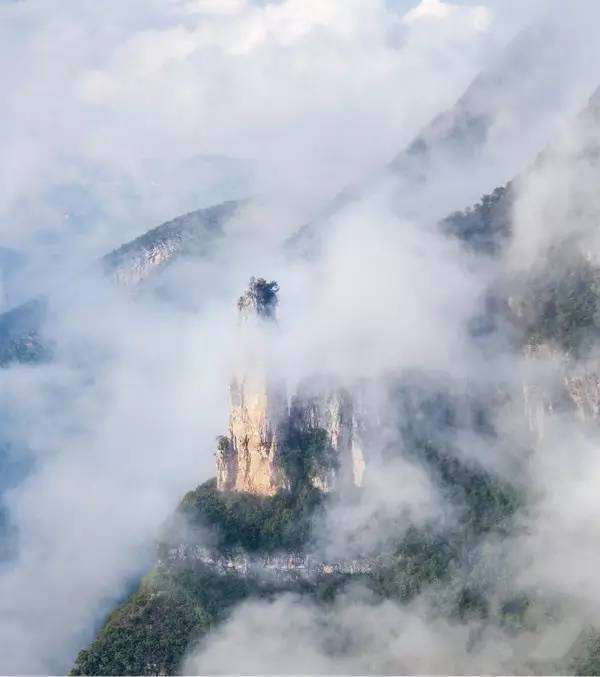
[122, 115]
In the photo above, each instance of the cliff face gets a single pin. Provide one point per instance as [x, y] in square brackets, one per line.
[194, 233]
[269, 442]
[132, 264]
[249, 456]
[320, 404]
[283, 568]
[558, 384]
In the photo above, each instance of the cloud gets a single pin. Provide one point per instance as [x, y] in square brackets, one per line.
[392, 271]
[359, 635]
[118, 124]
[164, 83]
[118, 427]
[478, 16]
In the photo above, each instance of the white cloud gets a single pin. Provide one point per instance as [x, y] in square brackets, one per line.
[268, 82]
[479, 16]
[318, 94]
[429, 9]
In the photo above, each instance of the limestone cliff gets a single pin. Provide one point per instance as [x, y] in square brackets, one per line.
[318, 437]
[584, 390]
[321, 404]
[282, 567]
[556, 383]
[249, 456]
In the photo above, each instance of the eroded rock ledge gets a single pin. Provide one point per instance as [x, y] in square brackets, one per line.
[284, 567]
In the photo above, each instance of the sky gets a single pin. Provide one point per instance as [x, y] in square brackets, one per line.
[118, 116]
[116, 121]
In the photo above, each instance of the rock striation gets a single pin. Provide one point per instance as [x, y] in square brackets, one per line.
[193, 234]
[559, 384]
[320, 404]
[249, 456]
[282, 567]
[317, 436]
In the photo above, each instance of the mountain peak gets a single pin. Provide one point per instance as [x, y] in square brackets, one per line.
[260, 299]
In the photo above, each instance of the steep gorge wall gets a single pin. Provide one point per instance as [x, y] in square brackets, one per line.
[264, 425]
[249, 456]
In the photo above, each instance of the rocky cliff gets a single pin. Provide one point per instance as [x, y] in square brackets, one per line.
[193, 234]
[249, 456]
[282, 567]
[557, 384]
[320, 404]
[317, 437]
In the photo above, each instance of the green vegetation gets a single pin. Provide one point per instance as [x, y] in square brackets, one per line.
[584, 656]
[176, 606]
[307, 453]
[485, 227]
[563, 306]
[431, 420]
[486, 503]
[255, 523]
[262, 294]
[20, 339]
[179, 602]
[151, 631]
[423, 557]
[264, 523]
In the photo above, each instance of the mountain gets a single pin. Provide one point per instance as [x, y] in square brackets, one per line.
[505, 107]
[291, 463]
[193, 234]
[262, 529]
[571, 157]
[20, 338]
[284, 464]
[302, 505]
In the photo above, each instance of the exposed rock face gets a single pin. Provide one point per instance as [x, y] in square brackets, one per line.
[320, 407]
[194, 233]
[320, 404]
[251, 460]
[322, 415]
[249, 457]
[536, 408]
[541, 392]
[584, 390]
[283, 567]
[559, 385]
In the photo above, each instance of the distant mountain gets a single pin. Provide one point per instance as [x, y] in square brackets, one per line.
[20, 339]
[193, 234]
[11, 263]
[507, 105]
[486, 227]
